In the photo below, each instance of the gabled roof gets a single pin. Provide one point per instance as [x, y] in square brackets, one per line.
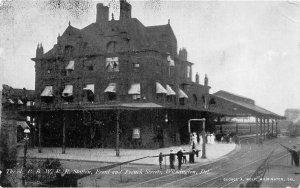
[139, 36]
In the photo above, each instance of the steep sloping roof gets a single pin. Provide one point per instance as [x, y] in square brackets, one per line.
[234, 97]
[249, 107]
[95, 36]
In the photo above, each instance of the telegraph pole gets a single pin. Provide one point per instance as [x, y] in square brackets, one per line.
[117, 134]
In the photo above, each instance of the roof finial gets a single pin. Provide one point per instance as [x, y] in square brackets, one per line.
[112, 16]
[69, 22]
[169, 21]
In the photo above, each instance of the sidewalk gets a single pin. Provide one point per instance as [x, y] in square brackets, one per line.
[213, 152]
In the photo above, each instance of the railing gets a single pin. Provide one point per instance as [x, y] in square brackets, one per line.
[257, 177]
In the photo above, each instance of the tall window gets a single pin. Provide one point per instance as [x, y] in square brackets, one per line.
[111, 47]
[112, 64]
[188, 71]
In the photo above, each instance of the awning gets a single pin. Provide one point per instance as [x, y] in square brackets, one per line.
[135, 89]
[160, 88]
[68, 91]
[20, 101]
[70, 66]
[90, 87]
[170, 91]
[111, 88]
[23, 124]
[182, 94]
[48, 92]
[171, 61]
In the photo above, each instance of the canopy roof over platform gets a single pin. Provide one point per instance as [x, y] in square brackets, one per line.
[236, 105]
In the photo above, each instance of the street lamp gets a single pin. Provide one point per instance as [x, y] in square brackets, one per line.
[166, 118]
[26, 138]
[203, 135]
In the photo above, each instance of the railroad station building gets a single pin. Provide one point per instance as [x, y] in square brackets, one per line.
[116, 81]
[119, 83]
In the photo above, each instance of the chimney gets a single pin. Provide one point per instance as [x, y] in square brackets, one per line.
[125, 10]
[206, 80]
[102, 13]
[197, 78]
[183, 54]
[39, 50]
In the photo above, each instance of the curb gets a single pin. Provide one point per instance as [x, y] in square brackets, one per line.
[236, 149]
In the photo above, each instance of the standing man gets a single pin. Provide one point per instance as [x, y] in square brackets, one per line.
[160, 159]
[172, 159]
[179, 157]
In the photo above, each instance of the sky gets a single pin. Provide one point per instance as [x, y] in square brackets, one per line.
[245, 47]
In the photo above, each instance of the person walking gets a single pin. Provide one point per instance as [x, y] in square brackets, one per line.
[160, 159]
[172, 159]
[179, 157]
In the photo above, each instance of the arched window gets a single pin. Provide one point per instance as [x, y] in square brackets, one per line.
[212, 101]
[111, 47]
[69, 50]
[195, 98]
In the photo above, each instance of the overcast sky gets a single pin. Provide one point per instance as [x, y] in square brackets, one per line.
[248, 48]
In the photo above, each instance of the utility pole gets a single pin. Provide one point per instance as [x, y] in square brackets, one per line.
[117, 134]
[64, 133]
[257, 141]
[204, 140]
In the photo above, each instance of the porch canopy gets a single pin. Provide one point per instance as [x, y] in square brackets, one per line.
[160, 89]
[111, 88]
[170, 91]
[47, 92]
[90, 87]
[68, 91]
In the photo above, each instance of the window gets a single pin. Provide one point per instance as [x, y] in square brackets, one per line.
[181, 101]
[89, 92]
[111, 96]
[135, 91]
[67, 93]
[112, 64]
[90, 67]
[188, 71]
[136, 97]
[195, 99]
[111, 91]
[70, 67]
[68, 50]
[212, 101]
[136, 65]
[111, 47]
[47, 94]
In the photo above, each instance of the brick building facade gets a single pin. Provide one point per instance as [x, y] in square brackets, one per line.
[116, 76]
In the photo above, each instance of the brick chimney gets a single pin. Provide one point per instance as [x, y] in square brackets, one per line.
[125, 10]
[102, 13]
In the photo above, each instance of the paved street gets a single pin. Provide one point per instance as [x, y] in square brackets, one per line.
[231, 170]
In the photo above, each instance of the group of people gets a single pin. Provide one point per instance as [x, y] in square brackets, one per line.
[181, 157]
[196, 139]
